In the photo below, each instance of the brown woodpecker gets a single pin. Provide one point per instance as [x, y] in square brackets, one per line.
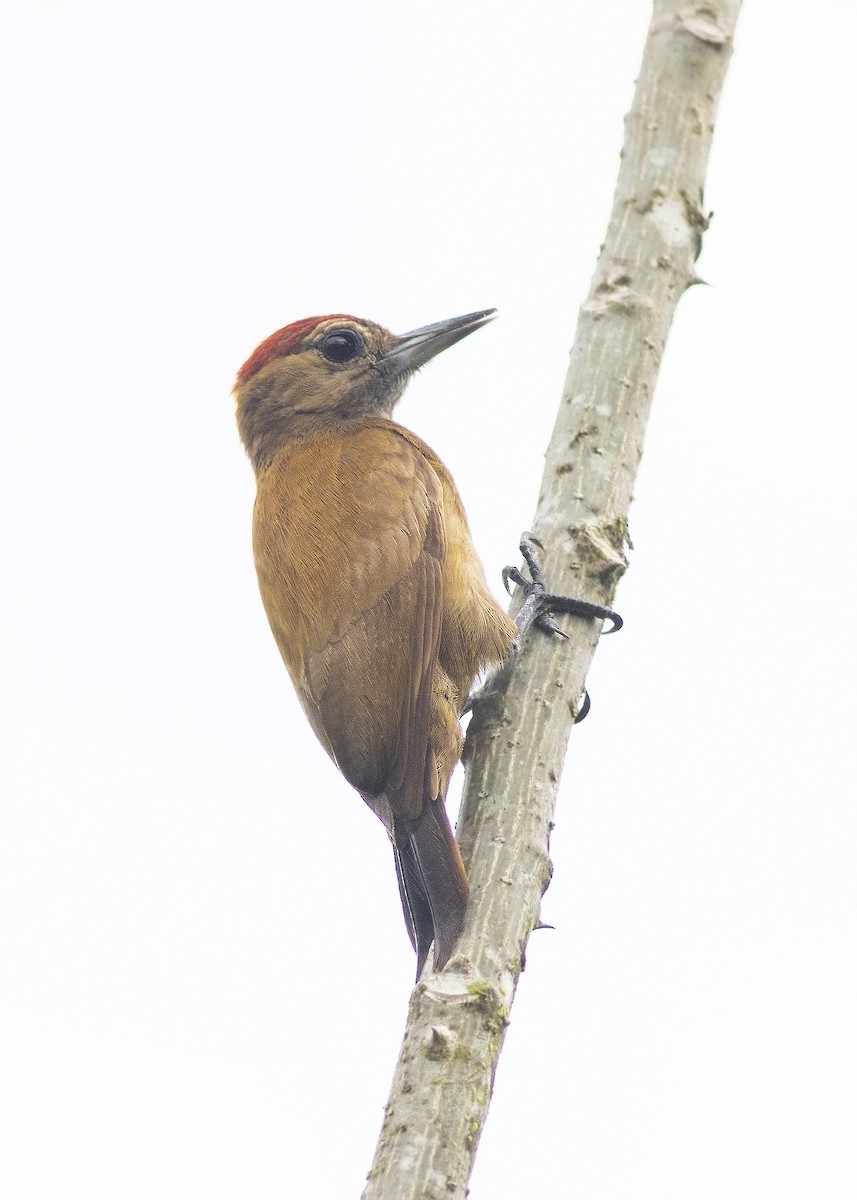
[373, 589]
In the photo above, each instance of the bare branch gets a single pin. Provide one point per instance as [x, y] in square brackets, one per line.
[520, 728]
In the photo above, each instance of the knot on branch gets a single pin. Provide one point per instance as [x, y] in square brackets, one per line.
[600, 548]
[614, 294]
[702, 22]
[678, 220]
[438, 1042]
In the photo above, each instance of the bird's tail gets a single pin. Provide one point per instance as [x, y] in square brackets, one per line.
[432, 885]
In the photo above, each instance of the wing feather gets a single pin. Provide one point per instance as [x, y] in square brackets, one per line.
[350, 553]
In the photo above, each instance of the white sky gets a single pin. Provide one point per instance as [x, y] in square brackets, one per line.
[204, 967]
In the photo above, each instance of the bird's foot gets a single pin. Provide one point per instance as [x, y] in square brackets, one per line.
[539, 604]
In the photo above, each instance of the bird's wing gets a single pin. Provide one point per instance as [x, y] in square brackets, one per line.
[355, 570]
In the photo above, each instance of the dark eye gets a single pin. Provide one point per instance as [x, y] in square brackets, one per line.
[340, 345]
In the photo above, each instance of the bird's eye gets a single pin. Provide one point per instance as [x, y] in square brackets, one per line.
[340, 345]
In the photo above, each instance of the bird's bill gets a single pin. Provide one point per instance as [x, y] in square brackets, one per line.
[415, 349]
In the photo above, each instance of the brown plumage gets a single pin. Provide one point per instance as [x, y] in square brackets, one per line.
[374, 592]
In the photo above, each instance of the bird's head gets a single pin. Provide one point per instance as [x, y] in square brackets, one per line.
[323, 371]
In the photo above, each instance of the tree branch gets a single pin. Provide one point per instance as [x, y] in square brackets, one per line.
[520, 727]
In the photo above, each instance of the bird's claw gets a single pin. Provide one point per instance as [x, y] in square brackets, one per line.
[539, 604]
[534, 587]
[583, 711]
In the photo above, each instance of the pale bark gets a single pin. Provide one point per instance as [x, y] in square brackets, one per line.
[519, 732]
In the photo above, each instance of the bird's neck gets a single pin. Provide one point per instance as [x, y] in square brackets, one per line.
[266, 426]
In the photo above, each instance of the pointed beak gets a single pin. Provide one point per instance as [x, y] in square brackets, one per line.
[414, 349]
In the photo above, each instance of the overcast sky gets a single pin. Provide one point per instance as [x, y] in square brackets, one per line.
[203, 967]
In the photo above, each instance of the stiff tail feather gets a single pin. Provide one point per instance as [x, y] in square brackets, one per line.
[432, 885]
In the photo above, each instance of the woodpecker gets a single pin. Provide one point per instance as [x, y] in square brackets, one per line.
[373, 589]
